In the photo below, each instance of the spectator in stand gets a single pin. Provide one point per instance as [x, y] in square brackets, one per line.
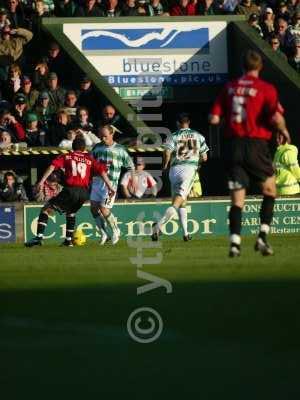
[57, 63]
[16, 14]
[65, 8]
[58, 130]
[159, 8]
[9, 123]
[229, 6]
[35, 136]
[67, 143]
[210, 7]
[82, 120]
[4, 21]
[110, 117]
[12, 188]
[56, 93]
[111, 9]
[246, 7]
[44, 110]
[138, 183]
[20, 108]
[89, 9]
[87, 97]
[71, 104]
[13, 40]
[294, 60]
[31, 95]
[294, 28]
[50, 189]
[144, 8]
[268, 25]
[183, 7]
[40, 76]
[253, 21]
[284, 36]
[275, 44]
[13, 83]
[5, 140]
[129, 9]
[283, 12]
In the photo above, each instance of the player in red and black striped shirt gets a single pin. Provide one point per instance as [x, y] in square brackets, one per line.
[251, 111]
[79, 167]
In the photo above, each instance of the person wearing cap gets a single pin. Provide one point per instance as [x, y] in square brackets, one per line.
[138, 183]
[35, 136]
[267, 24]
[31, 95]
[4, 21]
[44, 110]
[87, 97]
[58, 63]
[20, 108]
[246, 7]
[56, 93]
[253, 21]
[12, 41]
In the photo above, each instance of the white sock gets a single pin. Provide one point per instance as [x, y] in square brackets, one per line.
[182, 211]
[111, 221]
[236, 239]
[265, 228]
[170, 213]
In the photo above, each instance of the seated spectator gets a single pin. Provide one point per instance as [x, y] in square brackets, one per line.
[5, 140]
[35, 136]
[275, 44]
[82, 121]
[58, 130]
[138, 183]
[20, 108]
[16, 14]
[287, 167]
[40, 76]
[209, 7]
[12, 188]
[87, 97]
[284, 36]
[110, 117]
[144, 8]
[159, 9]
[294, 60]
[31, 95]
[129, 9]
[44, 110]
[12, 41]
[283, 12]
[56, 93]
[294, 28]
[89, 9]
[13, 83]
[65, 8]
[229, 6]
[50, 189]
[111, 9]
[183, 7]
[4, 21]
[58, 63]
[253, 21]
[268, 24]
[67, 143]
[71, 104]
[9, 123]
[246, 7]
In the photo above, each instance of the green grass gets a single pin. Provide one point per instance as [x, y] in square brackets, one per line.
[231, 327]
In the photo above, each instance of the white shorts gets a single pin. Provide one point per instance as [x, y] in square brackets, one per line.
[99, 193]
[182, 179]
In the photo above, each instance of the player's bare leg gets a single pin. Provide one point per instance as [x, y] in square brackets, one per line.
[235, 221]
[268, 188]
[41, 226]
[112, 223]
[169, 214]
[100, 221]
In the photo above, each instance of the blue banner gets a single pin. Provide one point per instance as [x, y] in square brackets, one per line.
[7, 224]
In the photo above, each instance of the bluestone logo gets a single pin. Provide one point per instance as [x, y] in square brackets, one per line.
[162, 38]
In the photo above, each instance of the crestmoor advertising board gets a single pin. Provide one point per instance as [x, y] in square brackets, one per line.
[206, 217]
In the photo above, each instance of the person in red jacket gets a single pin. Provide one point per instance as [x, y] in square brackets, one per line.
[251, 110]
[79, 167]
[184, 7]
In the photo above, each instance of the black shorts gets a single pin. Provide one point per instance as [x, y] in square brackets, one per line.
[247, 160]
[69, 200]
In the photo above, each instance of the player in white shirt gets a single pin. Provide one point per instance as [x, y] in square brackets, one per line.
[185, 150]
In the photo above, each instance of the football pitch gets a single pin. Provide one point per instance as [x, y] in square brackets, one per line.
[230, 328]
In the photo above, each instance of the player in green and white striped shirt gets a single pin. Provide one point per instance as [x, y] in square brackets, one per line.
[185, 150]
[115, 157]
